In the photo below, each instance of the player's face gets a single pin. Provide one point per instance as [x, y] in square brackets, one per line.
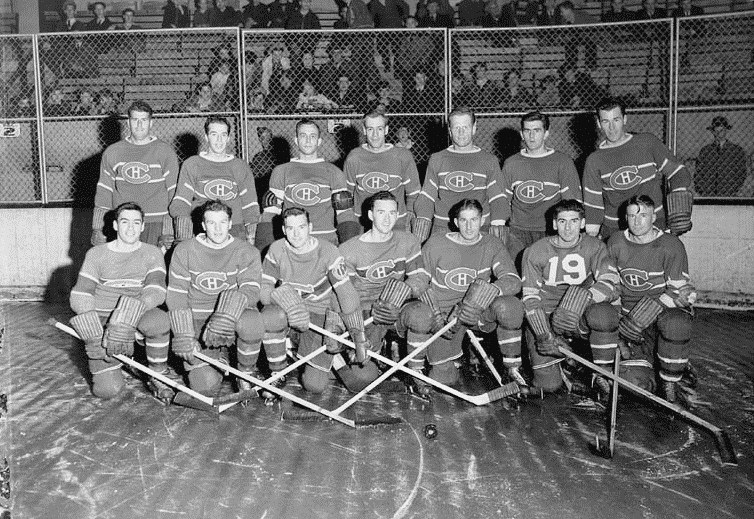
[534, 135]
[308, 140]
[469, 222]
[375, 129]
[216, 225]
[462, 130]
[613, 123]
[569, 225]
[296, 230]
[129, 226]
[384, 215]
[640, 219]
[140, 124]
[217, 137]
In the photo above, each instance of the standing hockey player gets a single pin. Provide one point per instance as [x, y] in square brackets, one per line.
[474, 273]
[141, 169]
[533, 181]
[119, 287]
[568, 286]
[380, 166]
[625, 165]
[300, 274]
[387, 269]
[212, 296]
[309, 182]
[216, 175]
[461, 171]
[656, 297]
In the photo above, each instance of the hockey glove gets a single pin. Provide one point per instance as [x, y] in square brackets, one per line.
[479, 296]
[120, 332]
[547, 343]
[184, 343]
[354, 322]
[221, 325]
[89, 329]
[386, 308]
[422, 228]
[680, 204]
[566, 317]
[287, 298]
[641, 316]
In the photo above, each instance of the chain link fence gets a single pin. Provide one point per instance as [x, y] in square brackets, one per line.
[715, 112]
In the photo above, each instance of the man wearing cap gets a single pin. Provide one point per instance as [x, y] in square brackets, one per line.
[721, 165]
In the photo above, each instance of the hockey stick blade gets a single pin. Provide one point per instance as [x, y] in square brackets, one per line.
[725, 446]
[509, 389]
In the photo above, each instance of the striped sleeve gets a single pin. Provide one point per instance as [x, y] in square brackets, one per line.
[82, 295]
[179, 277]
[250, 273]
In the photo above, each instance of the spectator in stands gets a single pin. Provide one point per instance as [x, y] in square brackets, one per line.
[686, 9]
[100, 22]
[384, 99]
[444, 8]
[224, 15]
[107, 103]
[548, 95]
[577, 89]
[650, 11]
[201, 14]
[500, 13]
[273, 65]
[459, 90]
[128, 21]
[417, 51]
[483, 92]
[69, 22]
[303, 17]
[85, 104]
[342, 22]
[282, 97]
[419, 98]
[388, 14]
[175, 16]
[203, 100]
[346, 97]
[515, 95]
[433, 18]
[404, 138]
[306, 71]
[334, 69]
[24, 106]
[280, 11]
[309, 100]
[257, 15]
[256, 102]
[55, 104]
[470, 13]
[618, 13]
[721, 165]
[542, 12]
[222, 80]
[358, 15]
[263, 162]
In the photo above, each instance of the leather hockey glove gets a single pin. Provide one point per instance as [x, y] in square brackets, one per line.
[89, 328]
[184, 228]
[184, 343]
[566, 317]
[438, 321]
[251, 233]
[680, 205]
[221, 325]
[547, 343]
[334, 324]
[479, 296]
[120, 331]
[167, 238]
[355, 324]
[686, 296]
[422, 228]
[641, 316]
[287, 298]
[386, 308]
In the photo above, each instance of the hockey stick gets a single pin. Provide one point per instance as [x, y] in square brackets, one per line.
[207, 401]
[480, 349]
[724, 445]
[478, 400]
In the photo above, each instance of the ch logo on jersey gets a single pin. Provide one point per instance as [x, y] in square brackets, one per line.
[530, 192]
[375, 181]
[305, 194]
[625, 178]
[459, 181]
[135, 173]
[380, 271]
[212, 282]
[460, 278]
[635, 279]
[220, 189]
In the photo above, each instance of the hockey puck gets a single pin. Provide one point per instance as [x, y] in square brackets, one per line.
[430, 431]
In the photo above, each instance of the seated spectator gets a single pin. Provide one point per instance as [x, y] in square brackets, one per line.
[222, 75]
[24, 106]
[500, 13]
[358, 14]
[303, 17]
[577, 89]
[100, 22]
[306, 71]
[418, 98]
[548, 95]
[686, 9]
[256, 15]
[310, 101]
[69, 23]
[444, 8]
[273, 65]
[418, 50]
[483, 92]
[342, 22]
[471, 13]
[433, 18]
[128, 21]
[201, 14]
[282, 97]
[388, 14]
[55, 104]
[256, 102]
[650, 11]
[107, 103]
[203, 100]
[175, 16]
[515, 95]
[539, 12]
[346, 97]
[85, 104]
[404, 138]
[224, 15]
[384, 99]
[618, 13]
[721, 165]
[280, 11]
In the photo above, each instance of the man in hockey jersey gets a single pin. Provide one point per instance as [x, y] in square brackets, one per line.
[569, 283]
[387, 269]
[533, 181]
[309, 182]
[142, 169]
[656, 298]
[212, 296]
[119, 287]
[216, 175]
[474, 273]
[463, 170]
[625, 165]
[380, 166]
[300, 274]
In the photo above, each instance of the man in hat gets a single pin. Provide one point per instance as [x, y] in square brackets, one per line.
[721, 165]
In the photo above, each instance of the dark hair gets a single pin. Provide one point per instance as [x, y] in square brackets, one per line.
[460, 111]
[215, 206]
[128, 206]
[294, 211]
[127, 10]
[215, 119]
[644, 200]
[140, 106]
[607, 104]
[307, 122]
[463, 205]
[570, 204]
[535, 116]
[381, 195]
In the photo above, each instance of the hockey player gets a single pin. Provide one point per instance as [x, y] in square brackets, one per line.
[473, 272]
[380, 166]
[300, 274]
[309, 182]
[216, 175]
[387, 269]
[212, 296]
[461, 171]
[656, 297]
[141, 169]
[569, 284]
[625, 165]
[119, 287]
[533, 181]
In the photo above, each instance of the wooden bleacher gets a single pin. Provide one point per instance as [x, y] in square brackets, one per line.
[8, 23]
